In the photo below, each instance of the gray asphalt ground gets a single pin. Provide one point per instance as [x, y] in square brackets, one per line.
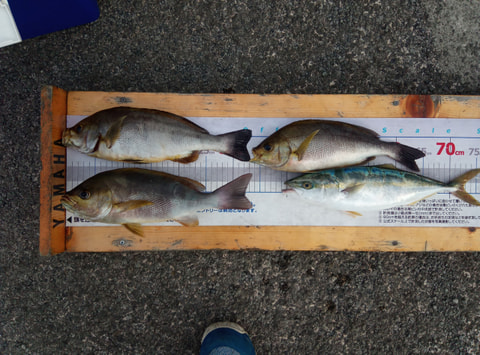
[290, 302]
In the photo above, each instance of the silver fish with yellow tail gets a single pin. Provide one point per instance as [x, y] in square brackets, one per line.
[371, 188]
[140, 135]
[311, 145]
[132, 197]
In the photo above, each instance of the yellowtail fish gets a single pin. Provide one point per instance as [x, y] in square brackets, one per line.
[140, 135]
[134, 196]
[357, 189]
[311, 145]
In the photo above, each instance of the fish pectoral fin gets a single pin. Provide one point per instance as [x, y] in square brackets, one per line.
[300, 152]
[188, 221]
[130, 205]
[353, 214]
[113, 132]
[189, 159]
[353, 189]
[135, 228]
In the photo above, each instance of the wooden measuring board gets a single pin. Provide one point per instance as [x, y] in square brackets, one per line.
[56, 237]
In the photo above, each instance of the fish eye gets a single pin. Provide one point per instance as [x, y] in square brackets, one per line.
[78, 129]
[267, 147]
[84, 195]
[307, 185]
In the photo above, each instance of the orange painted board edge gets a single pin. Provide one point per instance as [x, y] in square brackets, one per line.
[281, 105]
[304, 238]
[52, 176]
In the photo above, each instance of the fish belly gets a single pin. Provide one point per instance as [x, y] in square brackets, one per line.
[151, 142]
[168, 203]
[379, 199]
[316, 158]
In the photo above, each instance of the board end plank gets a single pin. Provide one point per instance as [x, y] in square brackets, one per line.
[52, 176]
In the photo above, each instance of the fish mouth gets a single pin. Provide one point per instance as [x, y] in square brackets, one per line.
[66, 137]
[288, 190]
[256, 158]
[67, 202]
[68, 140]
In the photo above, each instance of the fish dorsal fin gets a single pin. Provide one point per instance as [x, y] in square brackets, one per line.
[130, 205]
[188, 221]
[193, 184]
[353, 214]
[113, 132]
[300, 152]
[183, 120]
[348, 128]
[135, 228]
[353, 189]
[189, 159]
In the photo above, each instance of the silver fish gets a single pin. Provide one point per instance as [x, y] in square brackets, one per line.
[311, 145]
[357, 189]
[134, 196]
[140, 135]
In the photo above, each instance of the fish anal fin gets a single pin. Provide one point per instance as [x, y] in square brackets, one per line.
[188, 220]
[386, 166]
[113, 132]
[134, 161]
[188, 159]
[300, 152]
[363, 162]
[135, 228]
[130, 205]
[353, 214]
[353, 189]
[369, 159]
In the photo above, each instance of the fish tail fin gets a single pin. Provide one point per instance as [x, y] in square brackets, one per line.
[237, 144]
[460, 182]
[232, 195]
[407, 155]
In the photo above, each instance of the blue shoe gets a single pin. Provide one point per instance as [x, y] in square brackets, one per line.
[226, 338]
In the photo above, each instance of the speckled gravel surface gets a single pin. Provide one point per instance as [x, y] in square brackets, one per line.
[290, 302]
